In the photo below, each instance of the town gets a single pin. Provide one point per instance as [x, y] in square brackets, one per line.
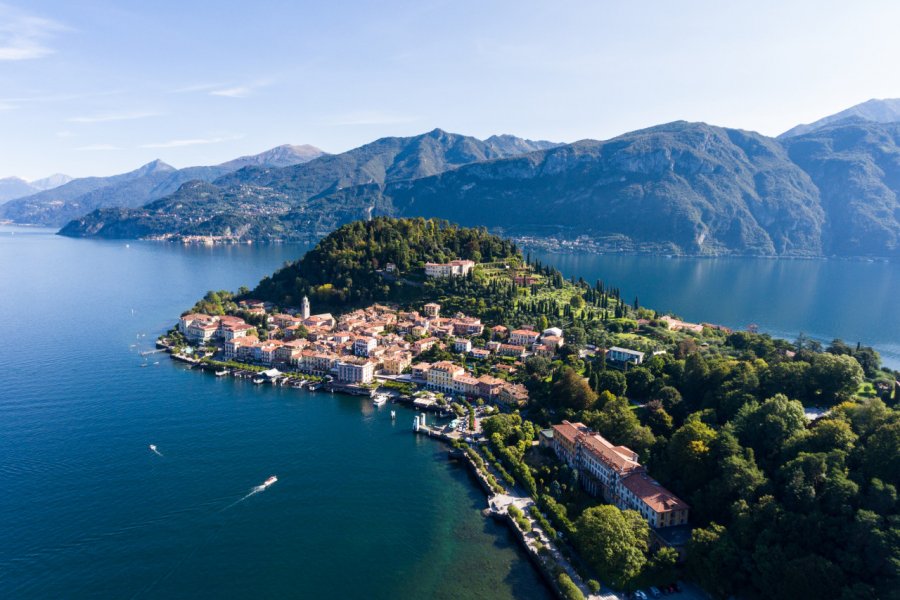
[443, 356]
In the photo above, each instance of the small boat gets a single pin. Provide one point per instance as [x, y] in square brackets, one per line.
[379, 399]
[269, 481]
[393, 414]
[313, 388]
[259, 381]
[153, 447]
[222, 372]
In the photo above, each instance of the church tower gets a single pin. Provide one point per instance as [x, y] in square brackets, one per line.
[304, 308]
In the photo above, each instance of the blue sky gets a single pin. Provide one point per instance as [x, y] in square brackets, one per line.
[101, 87]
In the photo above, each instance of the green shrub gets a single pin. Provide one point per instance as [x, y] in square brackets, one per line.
[568, 588]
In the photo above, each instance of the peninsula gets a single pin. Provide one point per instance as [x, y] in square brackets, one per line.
[621, 445]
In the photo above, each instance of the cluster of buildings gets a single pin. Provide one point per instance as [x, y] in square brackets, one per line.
[614, 473]
[376, 340]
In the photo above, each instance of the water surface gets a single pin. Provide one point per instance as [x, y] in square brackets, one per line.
[856, 301]
[362, 508]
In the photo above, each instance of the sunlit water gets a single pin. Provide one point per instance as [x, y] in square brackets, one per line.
[361, 509]
[857, 301]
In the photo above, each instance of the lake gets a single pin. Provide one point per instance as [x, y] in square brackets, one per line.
[857, 301]
[361, 507]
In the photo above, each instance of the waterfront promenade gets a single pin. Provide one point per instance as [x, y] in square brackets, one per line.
[533, 540]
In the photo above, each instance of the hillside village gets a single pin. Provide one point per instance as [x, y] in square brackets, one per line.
[622, 445]
[382, 343]
[378, 343]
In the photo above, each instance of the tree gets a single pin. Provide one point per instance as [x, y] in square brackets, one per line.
[618, 423]
[575, 336]
[830, 434]
[611, 381]
[688, 457]
[766, 427]
[835, 377]
[571, 390]
[883, 453]
[613, 542]
[576, 302]
[789, 378]
[639, 382]
[714, 561]
[660, 570]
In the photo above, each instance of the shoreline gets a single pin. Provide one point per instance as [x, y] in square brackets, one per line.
[492, 510]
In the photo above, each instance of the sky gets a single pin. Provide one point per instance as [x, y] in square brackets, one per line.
[101, 87]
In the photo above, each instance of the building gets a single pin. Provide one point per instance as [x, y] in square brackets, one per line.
[511, 350]
[229, 331]
[489, 387]
[304, 308]
[440, 376]
[462, 345]
[513, 394]
[465, 385]
[396, 363]
[233, 345]
[421, 346]
[624, 355]
[420, 371]
[324, 320]
[284, 320]
[363, 346]
[186, 320]
[479, 353]
[356, 371]
[523, 337]
[615, 473]
[454, 268]
[432, 310]
[202, 331]
[467, 326]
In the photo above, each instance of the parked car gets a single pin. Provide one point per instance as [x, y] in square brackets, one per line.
[654, 591]
[639, 595]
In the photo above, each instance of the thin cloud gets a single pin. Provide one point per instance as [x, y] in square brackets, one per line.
[24, 36]
[191, 142]
[107, 117]
[372, 117]
[199, 87]
[97, 148]
[241, 91]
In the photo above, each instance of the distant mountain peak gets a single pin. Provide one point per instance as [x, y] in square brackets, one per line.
[154, 166]
[886, 110]
[50, 182]
[285, 155]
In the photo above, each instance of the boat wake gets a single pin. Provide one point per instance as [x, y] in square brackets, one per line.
[253, 491]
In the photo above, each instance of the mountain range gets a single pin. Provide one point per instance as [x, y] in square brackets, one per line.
[830, 189]
[16, 187]
[76, 197]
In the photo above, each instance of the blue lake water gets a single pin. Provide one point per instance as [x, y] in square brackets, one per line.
[362, 507]
[857, 301]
